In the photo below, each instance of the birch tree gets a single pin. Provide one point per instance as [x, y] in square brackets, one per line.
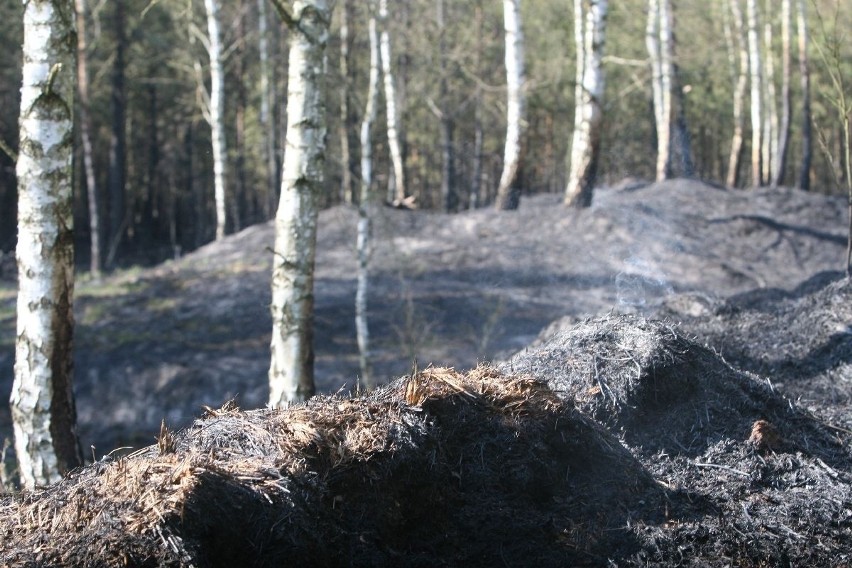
[86, 140]
[42, 401]
[215, 114]
[589, 36]
[365, 211]
[658, 40]
[507, 197]
[398, 194]
[291, 371]
[770, 105]
[739, 65]
[267, 118]
[755, 75]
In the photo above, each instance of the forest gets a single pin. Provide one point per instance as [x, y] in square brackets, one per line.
[148, 108]
[425, 282]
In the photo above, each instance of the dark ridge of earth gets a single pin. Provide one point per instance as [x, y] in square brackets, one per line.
[452, 290]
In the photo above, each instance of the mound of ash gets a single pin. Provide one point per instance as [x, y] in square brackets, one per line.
[436, 469]
[764, 482]
[661, 391]
[800, 339]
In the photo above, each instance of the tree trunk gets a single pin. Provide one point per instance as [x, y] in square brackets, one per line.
[508, 196]
[365, 213]
[345, 127]
[217, 114]
[770, 118]
[779, 164]
[756, 75]
[267, 121]
[42, 401]
[658, 40]
[399, 192]
[291, 371]
[804, 71]
[117, 173]
[585, 147]
[86, 140]
[476, 169]
[449, 196]
[741, 73]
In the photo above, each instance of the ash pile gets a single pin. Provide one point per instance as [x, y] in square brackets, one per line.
[618, 440]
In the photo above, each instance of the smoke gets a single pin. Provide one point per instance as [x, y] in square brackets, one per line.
[640, 282]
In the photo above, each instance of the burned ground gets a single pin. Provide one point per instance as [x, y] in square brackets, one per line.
[698, 381]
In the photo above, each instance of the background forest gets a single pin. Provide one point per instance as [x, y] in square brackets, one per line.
[149, 79]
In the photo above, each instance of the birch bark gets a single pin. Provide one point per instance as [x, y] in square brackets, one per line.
[399, 193]
[217, 113]
[804, 72]
[365, 213]
[42, 401]
[86, 140]
[756, 74]
[507, 196]
[585, 147]
[739, 45]
[291, 371]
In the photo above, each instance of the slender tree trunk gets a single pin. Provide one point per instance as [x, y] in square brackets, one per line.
[346, 164]
[508, 196]
[585, 148]
[86, 139]
[449, 196]
[770, 118]
[756, 78]
[42, 401]
[291, 371]
[741, 74]
[804, 71]
[658, 40]
[779, 164]
[476, 169]
[267, 121]
[217, 114]
[399, 192]
[117, 172]
[365, 213]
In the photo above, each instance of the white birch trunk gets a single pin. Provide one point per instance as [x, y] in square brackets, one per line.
[365, 207]
[756, 74]
[741, 73]
[585, 148]
[266, 97]
[658, 40]
[217, 113]
[399, 193]
[515, 107]
[42, 401]
[86, 140]
[770, 118]
[291, 371]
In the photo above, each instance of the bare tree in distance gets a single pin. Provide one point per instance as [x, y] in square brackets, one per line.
[365, 210]
[397, 192]
[589, 36]
[507, 196]
[215, 112]
[291, 370]
[42, 401]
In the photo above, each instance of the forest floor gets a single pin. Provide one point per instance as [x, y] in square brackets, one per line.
[752, 275]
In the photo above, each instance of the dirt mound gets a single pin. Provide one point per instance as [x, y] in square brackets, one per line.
[799, 339]
[660, 390]
[767, 483]
[438, 469]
